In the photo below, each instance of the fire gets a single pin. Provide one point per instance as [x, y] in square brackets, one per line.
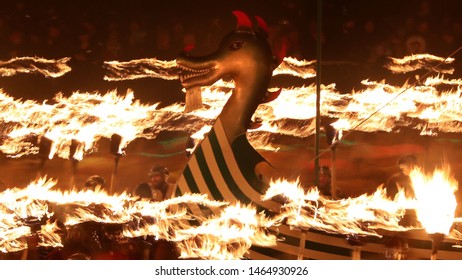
[435, 199]
[37, 209]
[165, 218]
[411, 109]
[82, 118]
[77, 122]
[49, 236]
[434, 203]
[419, 61]
[12, 240]
[363, 215]
[140, 68]
[47, 67]
[297, 68]
[228, 235]
[38, 204]
[230, 230]
[156, 68]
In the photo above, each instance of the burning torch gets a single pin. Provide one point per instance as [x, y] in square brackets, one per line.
[45, 153]
[440, 187]
[75, 155]
[333, 138]
[116, 150]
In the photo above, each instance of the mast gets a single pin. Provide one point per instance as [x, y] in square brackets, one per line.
[318, 91]
[303, 233]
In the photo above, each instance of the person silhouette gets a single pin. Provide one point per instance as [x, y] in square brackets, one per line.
[401, 179]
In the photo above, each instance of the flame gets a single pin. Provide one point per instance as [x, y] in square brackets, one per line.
[167, 217]
[230, 230]
[36, 210]
[168, 70]
[228, 235]
[379, 107]
[85, 118]
[434, 203]
[297, 68]
[47, 67]
[411, 109]
[435, 199]
[363, 215]
[140, 68]
[419, 61]
[49, 236]
[13, 240]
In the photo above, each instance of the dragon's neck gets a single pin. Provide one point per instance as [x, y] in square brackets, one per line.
[241, 106]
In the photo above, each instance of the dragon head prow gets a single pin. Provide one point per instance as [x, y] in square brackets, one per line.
[241, 53]
[245, 56]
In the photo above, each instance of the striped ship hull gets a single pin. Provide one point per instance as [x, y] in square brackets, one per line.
[221, 171]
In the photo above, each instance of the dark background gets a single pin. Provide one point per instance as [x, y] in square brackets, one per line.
[91, 32]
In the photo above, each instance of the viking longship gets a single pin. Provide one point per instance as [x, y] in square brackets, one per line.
[225, 165]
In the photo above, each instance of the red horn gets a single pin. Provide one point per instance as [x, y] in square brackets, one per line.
[262, 24]
[243, 21]
[188, 48]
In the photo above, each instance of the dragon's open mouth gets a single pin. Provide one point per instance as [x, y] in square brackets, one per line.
[188, 73]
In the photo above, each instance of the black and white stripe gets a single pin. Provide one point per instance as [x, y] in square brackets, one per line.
[214, 170]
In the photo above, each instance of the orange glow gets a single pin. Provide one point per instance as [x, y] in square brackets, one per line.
[48, 236]
[297, 68]
[420, 61]
[227, 234]
[435, 200]
[48, 67]
[232, 229]
[85, 118]
[363, 215]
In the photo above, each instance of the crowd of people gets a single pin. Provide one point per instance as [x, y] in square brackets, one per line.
[357, 37]
[92, 240]
[353, 31]
[99, 241]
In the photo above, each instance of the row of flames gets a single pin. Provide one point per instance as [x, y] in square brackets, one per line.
[233, 228]
[72, 126]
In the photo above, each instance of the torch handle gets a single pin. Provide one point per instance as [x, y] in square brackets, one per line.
[333, 179]
[114, 173]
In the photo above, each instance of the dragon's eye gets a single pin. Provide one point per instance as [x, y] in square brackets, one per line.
[236, 45]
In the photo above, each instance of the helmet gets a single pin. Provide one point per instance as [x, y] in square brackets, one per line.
[158, 169]
[407, 159]
[325, 170]
[95, 180]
